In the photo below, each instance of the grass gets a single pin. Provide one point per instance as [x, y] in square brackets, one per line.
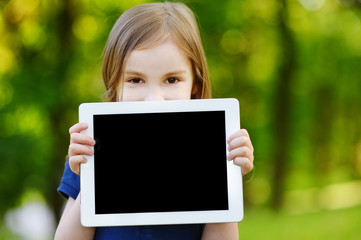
[266, 224]
[335, 224]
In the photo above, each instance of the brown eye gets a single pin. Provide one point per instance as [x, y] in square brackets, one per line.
[135, 80]
[172, 80]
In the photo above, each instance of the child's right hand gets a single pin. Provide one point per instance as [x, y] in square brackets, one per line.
[80, 144]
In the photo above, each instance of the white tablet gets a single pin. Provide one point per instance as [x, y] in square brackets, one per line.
[160, 162]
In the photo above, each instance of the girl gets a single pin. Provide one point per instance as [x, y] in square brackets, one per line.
[154, 52]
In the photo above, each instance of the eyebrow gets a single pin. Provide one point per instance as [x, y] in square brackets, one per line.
[168, 74]
[179, 72]
[131, 72]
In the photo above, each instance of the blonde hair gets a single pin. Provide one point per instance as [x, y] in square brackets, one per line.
[146, 25]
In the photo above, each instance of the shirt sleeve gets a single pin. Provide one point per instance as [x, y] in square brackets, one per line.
[70, 183]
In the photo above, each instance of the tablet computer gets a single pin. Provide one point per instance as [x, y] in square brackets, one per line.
[160, 162]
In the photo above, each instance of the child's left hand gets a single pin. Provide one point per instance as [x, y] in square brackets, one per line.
[241, 150]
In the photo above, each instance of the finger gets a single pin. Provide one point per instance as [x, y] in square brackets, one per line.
[80, 138]
[79, 149]
[78, 127]
[239, 142]
[239, 133]
[74, 163]
[245, 164]
[241, 152]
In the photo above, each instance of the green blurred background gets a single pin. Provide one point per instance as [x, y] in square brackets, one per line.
[294, 65]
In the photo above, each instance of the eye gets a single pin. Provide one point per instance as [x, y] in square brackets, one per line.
[172, 80]
[135, 80]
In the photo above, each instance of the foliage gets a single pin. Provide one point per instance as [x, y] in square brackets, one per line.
[294, 66]
[331, 225]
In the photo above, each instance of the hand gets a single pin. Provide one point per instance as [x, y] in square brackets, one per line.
[241, 150]
[80, 144]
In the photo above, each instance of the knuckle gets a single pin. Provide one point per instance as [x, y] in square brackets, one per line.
[242, 140]
[249, 167]
[248, 151]
[238, 142]
[249, 163]
[243, 151]
[71, 130]
[73, 136]
[240, 161]
[245, 164]
[72, 146]
[74, 128]
[71, 149]
[244, 132]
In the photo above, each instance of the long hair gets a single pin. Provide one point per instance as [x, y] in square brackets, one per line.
[145, 26]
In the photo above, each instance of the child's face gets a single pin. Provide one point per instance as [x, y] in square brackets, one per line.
[162, 72]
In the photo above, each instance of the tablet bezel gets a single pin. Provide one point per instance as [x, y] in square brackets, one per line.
[234, 177]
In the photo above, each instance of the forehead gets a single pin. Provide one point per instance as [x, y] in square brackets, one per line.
[164, 56]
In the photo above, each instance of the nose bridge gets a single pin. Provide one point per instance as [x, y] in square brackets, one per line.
[154, 93]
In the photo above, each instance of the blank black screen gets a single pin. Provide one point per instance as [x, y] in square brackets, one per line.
[160, 162]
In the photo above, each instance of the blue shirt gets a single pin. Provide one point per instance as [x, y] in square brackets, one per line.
[70, 186]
